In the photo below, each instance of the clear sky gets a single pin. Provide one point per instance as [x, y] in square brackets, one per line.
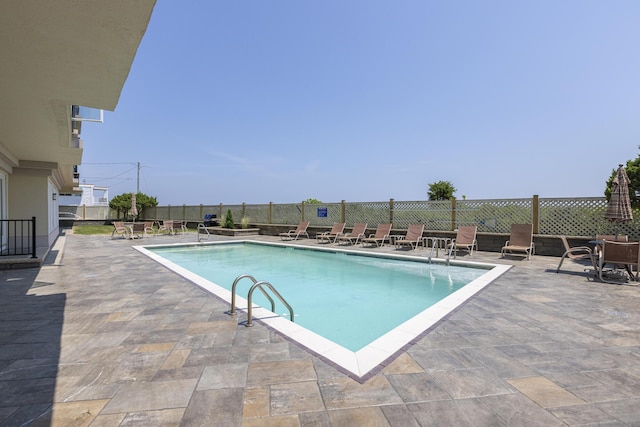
[364, 100]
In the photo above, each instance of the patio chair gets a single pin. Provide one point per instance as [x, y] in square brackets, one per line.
[412, 238]
[520, 240]
[465, 239]
[120, 229]
[575, 253]
[166, 227]
[149, 229]
[301, 230]
[179, 227]
[137, 230]
[618, 253]
[379, 237]
[332, 235]
[609, 237]
[357, 233]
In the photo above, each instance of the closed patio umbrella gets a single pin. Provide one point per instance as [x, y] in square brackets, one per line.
[134, 208]
[619, 208]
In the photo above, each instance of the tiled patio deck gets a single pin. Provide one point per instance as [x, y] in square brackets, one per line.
[104, 336]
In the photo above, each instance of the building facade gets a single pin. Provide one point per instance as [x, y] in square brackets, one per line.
[57, 57]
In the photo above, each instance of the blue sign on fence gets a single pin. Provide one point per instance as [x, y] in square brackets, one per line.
[322, 212]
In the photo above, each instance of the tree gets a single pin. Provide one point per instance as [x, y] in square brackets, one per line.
[312, 201]
[633, 172]
[441, 190]
[122, 203]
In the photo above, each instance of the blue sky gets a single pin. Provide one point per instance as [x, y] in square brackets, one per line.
[365, 100]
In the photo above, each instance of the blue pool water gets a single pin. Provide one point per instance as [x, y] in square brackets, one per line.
[347, 298]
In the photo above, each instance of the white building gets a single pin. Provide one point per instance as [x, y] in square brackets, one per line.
[91, 196]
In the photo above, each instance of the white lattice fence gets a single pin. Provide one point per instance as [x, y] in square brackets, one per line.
[333, 210]
[286, 214]
[494, 216]
[373, 213]
[582, 217]
[257, 214]
[435, 215]
[558, 216]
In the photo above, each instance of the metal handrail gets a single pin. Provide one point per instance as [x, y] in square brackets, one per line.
[232, 312]
[256, 285]
[259, 285]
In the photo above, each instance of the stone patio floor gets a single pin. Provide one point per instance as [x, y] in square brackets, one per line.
[103, 336]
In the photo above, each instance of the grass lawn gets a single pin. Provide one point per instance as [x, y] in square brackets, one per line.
[92, 229]
[101, 229]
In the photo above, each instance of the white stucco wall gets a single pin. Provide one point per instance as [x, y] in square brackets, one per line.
[30, 195]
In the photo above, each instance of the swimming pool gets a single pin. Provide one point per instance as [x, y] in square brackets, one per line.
[369, 306]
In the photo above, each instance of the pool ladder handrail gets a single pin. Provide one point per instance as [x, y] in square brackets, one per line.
[256, 285]
[434, 249]
[201, 226]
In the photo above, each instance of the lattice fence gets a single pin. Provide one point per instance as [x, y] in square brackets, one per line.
[557, 216]
[373, 213]
[495, 216]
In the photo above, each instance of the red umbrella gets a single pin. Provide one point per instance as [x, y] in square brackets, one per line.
[619, 208]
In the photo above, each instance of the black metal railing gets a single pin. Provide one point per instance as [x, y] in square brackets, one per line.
[18, 237]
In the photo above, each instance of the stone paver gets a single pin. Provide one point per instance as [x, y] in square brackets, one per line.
[104, 336]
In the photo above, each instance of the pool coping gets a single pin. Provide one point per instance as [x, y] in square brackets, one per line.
[365, 362]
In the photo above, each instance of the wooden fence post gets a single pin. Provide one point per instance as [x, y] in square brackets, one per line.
[391, 212]
[536, 213]
[342, 211]
[243, 209]
[453, 214]
[270, 212]
[302, 211]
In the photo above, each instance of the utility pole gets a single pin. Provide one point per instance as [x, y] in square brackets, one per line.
[138, 180]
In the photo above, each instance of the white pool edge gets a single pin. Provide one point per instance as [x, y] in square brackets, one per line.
[368, 358]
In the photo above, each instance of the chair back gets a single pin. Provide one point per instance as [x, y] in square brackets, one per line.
[337, 228]
[119, 225]
[359, 228]
[565, 243]
[302, 226]
[521, 235]
[383, 231]
[621, 252]
[138, 227]
[466, 234]
[414, 232]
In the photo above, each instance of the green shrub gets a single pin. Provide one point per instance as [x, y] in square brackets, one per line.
[228, 220]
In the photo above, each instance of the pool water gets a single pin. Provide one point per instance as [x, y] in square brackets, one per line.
[347, 298]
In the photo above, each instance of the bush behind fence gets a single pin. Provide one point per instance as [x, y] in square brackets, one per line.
[558, 216]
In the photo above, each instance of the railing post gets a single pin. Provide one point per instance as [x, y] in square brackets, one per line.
[33, 237]
[391, 212]
[453, 214]
[342, 211]
[536, 213]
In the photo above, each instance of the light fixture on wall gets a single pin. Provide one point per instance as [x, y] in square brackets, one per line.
[54, 196]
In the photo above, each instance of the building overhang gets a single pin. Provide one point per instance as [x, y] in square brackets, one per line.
[55, 55]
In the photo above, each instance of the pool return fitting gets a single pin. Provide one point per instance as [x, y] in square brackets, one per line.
[256, 285]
